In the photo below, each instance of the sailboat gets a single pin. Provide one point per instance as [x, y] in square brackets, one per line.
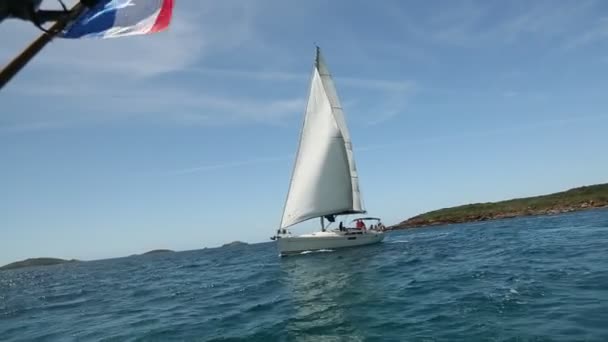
[324, 182]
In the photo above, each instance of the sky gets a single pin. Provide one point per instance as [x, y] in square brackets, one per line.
[185, 139]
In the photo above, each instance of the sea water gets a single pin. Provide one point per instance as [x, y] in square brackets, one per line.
[534, 278]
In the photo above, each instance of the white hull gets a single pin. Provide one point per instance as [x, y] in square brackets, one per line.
[326, 240]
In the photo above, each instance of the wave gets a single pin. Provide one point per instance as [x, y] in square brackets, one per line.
[317, 251]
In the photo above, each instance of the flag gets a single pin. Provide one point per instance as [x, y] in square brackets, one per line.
[117, 18]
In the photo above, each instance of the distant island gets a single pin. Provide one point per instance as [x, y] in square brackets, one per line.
[586, 197]
[235, 243]
[158, 251]
[35, 262]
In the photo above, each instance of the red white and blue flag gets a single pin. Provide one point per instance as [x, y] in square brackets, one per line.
[117, 18]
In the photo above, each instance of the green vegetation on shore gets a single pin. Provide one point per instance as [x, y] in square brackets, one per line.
[35, 262]
[586, 197]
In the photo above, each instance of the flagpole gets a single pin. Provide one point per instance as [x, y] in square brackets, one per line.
[19, 62]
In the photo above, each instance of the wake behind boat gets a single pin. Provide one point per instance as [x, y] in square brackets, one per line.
[324, 182]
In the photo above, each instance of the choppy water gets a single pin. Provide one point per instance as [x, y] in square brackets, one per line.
[542, 279]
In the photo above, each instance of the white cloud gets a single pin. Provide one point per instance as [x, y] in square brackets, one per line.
[196, 29]
[109, 98]
[389, 97]
[492, 133]
[283, 76]
[116, 78]
[479, 23]
[230, 164]
[389, 109]
[510, 93]
[155, 104]
[596, 33]
[533, 126]
[259, 75]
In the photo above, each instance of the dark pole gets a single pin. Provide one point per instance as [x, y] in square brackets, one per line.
[36, 46]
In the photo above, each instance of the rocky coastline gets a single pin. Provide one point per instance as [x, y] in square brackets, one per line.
[577, 199]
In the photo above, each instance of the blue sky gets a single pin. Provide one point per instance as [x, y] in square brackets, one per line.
[185, 139]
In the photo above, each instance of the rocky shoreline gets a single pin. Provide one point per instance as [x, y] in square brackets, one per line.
[577, 199]
[419, 222]
[36, 262]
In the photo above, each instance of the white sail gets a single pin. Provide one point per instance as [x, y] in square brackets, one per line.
[338, 113]
[324, 180]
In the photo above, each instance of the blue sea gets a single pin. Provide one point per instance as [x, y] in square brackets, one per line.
[524, 279]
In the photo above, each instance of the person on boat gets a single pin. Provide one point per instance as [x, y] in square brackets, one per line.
[360, 224]
[341, 226]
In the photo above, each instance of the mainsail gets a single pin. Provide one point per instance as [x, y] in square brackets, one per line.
[324, 179]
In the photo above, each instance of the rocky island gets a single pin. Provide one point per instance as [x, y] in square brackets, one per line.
[586, 197]
[158, 251]
[235, 243]
[35, 262]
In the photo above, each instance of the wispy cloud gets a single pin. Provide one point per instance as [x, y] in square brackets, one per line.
[259, 75]
[89, 81]
[122, 78]
[400, 143]
[510, 93]
[493, 132]
[596, 33]
[391, 96]
[31, 126]
[230, 164]
[196, 29]
[132, 56]
[182, 104]
[403, 87]
[159, 104]
[285, 76]
[479, 23]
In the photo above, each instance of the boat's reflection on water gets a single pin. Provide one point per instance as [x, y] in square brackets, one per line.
[327, 290]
